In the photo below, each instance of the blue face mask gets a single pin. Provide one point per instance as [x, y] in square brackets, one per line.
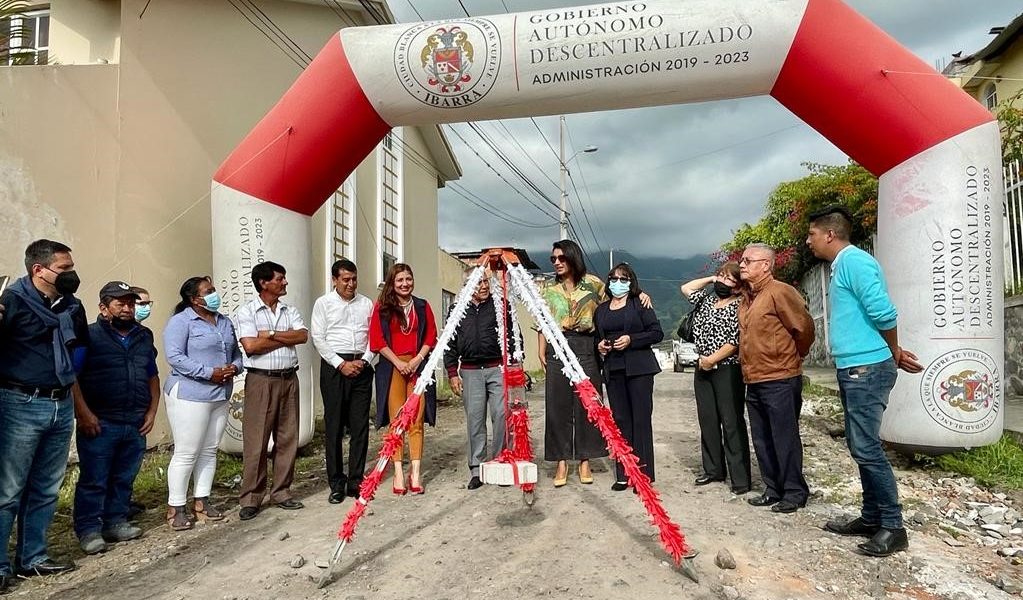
[142, 312]
[212, 301]
[618, 288]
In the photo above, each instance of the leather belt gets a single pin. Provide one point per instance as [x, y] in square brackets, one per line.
[281, 374]
[37, 392]
[483, 365]
[352, 356]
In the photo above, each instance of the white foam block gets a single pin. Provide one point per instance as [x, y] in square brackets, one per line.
[501, 473]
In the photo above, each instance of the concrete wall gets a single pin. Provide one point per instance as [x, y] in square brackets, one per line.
[116, 160]
[84, 32]
[1014, 346]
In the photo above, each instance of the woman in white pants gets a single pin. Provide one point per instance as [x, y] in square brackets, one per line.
[204, 356]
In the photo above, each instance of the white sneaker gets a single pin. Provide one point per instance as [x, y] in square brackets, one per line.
[93, 543]
[122, 532]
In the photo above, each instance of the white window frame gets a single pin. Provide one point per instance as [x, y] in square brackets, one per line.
[37, 14]
[396, 150]
[341, 248]
[990, 94]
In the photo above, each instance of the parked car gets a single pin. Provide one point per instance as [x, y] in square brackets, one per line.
[685, 356]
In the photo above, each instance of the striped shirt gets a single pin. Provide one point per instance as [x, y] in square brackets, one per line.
[255, 316]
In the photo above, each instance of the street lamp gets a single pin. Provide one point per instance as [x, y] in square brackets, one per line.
[564, 176]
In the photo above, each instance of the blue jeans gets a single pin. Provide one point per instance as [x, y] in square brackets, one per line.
[35, 434]
[108, 464]
[864, 392]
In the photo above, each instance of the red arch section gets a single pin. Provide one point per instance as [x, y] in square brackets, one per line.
[309, 142]
[835, 80]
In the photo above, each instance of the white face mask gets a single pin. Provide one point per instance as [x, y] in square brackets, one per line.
[618, 289]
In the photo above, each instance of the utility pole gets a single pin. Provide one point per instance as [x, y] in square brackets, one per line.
[564, 176]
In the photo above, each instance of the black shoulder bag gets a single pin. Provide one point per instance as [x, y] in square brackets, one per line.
[685, 327]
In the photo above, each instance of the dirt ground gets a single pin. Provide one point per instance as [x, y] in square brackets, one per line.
[579, 541]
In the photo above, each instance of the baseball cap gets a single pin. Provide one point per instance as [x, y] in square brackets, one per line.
[117, 289]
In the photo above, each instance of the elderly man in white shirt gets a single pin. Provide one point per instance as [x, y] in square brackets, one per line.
[269, 330]
[340, 330]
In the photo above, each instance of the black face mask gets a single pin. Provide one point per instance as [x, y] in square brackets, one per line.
[722, 289]
[67, 283]
[121, 324]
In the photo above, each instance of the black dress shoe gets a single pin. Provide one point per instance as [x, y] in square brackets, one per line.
[248, 512]
[705, 479]
[762, 500]
[47, 567]
[290, 504]
[786, 507]
[619, 486]
[853, 527]
[352, 488]
[885, 542]
[474, 483]
[336, 497]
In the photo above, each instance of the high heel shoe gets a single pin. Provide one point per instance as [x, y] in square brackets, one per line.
[587, 478]
[561, 481]
[398, 491]
[417, 490]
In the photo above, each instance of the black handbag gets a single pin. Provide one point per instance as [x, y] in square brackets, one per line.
[685, 327]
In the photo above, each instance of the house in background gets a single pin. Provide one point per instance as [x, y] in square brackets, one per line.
[994, 73]
[111, 146]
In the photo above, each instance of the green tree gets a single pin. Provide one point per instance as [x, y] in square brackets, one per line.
[784, 224]
[1010, 123]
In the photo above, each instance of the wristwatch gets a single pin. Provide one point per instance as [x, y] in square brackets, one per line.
[272, 333]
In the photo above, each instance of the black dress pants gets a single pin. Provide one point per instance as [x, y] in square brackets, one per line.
[632, 405]
[568, 435]
[346, 403]
[721, 411]
[774, 422]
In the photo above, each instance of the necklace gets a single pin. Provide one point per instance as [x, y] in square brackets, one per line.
[407, 309]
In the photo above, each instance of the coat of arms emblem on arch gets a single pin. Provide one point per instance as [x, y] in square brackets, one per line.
[447, 58]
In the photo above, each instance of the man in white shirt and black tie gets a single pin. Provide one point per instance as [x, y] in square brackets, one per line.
[269, 330]
[340, 330]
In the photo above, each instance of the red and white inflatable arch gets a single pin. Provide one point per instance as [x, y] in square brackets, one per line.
[935, 149]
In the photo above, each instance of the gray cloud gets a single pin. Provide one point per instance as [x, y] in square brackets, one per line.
[671, 181]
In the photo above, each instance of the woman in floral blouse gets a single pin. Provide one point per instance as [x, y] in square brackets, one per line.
[572, 298]
[720, 392]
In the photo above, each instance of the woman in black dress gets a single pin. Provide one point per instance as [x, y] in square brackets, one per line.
[720, 391]
[626, 330]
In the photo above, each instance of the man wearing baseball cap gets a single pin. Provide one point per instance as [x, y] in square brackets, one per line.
[120, 392]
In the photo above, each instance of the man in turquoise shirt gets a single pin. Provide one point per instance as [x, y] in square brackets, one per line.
[868, 356]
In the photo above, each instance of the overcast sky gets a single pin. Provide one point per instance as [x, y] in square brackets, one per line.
[670, 181]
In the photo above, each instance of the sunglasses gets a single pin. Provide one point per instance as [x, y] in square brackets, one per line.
[555, 259]
[621, 279]
[746, 261]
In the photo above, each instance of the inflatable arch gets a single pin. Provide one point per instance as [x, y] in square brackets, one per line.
[935, 150]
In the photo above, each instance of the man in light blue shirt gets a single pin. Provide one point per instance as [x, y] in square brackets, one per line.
[868, 356]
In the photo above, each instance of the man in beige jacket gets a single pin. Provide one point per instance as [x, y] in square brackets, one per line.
[775, 334]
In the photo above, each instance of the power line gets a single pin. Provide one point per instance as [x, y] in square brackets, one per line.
[495, 212]
[297, 60]
[553, 151]
[277, 31]
[590, 198]
[526, 154]
[515, 189]
[508, 162]
[415, 10]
